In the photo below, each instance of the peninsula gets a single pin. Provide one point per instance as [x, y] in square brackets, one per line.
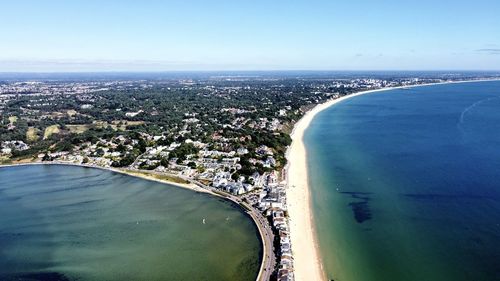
[234, 136]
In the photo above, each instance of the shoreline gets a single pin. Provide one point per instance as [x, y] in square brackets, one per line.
[190, 186]
[131, 173]
[307, 255]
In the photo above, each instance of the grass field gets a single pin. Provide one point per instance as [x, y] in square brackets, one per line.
[78, 129]
[12, 119]
[159, 177]
[5, 160]
[32, 134]
[50, 130]
[71, 112]
[117, 125]
[127, 123]
[23, 160]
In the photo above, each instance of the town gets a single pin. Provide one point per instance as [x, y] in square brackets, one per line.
[227, 134]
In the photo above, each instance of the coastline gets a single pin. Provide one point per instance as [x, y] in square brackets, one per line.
[120, 171]
[307, 256]
[298, 193]
[191, 186]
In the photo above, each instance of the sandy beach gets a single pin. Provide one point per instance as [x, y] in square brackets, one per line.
[306, 254]
[307, 257]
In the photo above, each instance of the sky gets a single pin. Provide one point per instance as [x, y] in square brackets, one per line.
[170, 35]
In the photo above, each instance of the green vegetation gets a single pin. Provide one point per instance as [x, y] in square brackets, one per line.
[162, 177]
[219, 115]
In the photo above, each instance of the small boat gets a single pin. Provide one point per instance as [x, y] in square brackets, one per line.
[203, 221]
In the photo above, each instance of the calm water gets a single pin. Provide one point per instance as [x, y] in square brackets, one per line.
[406, 184]
[72, 223]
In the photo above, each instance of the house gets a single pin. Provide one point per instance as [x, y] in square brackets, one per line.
[272, 179]
[264, 150]
[269, 162]
[248, 187]
[221, 179]
[242, 151]
[235, 188]
[230, 161]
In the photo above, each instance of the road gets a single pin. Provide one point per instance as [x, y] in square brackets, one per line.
[266, 233]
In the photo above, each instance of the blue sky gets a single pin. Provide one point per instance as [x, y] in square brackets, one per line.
[249, 35]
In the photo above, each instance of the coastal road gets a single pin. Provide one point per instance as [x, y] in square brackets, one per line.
[265, 230]
[269, 259]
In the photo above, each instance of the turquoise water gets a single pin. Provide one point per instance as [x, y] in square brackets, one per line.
[73, 223]
[406, 184]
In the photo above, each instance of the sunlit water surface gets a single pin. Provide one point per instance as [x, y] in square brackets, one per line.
[74, 223]
[406, 184]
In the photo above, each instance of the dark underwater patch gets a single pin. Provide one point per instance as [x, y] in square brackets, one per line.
[361, 211]
[360, 207]
[38, 276]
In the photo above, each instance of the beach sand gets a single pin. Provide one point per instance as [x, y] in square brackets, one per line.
[307, 259]
[306, 254]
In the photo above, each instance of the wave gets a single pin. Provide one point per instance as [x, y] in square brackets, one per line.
[469, 108]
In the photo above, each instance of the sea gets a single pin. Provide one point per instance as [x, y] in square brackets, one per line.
[405, 184]
[74, 223]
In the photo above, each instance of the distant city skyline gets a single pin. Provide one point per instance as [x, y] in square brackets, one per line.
[63, 36]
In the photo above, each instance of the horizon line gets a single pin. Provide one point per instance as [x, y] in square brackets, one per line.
[249, 70]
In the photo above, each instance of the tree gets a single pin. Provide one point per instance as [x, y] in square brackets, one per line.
[235, 176]
[164, 162]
